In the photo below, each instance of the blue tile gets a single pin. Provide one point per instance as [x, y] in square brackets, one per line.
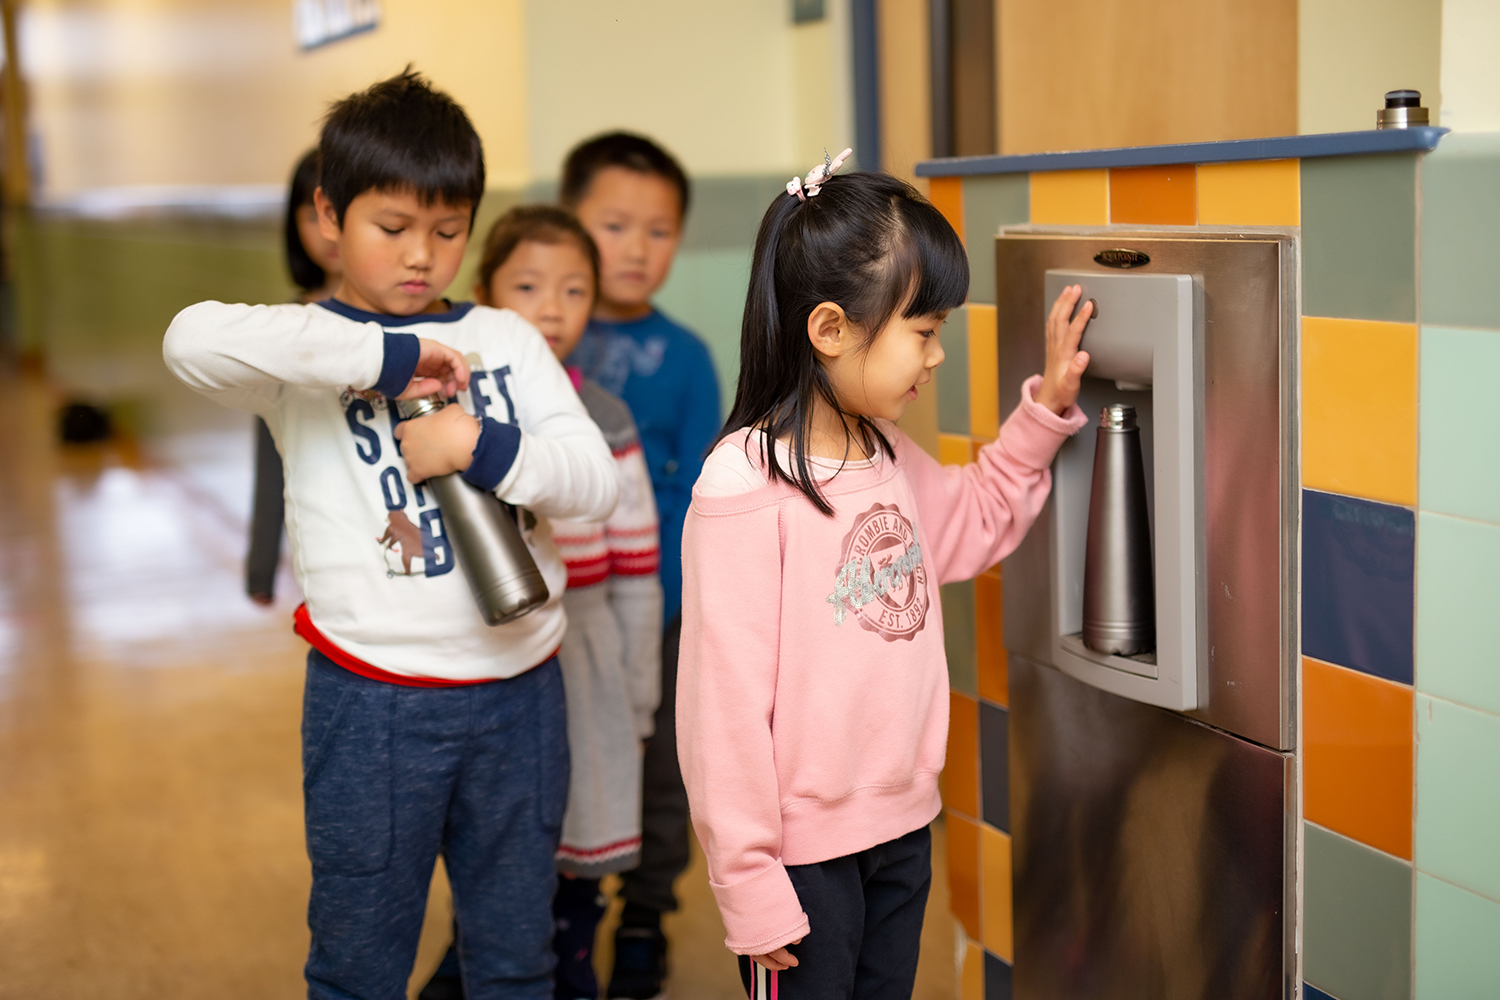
[997, 984]
[994, 765]
[1311, 992]
[1358, 571]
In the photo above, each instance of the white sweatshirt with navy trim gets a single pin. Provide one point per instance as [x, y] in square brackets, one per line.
[368, 548]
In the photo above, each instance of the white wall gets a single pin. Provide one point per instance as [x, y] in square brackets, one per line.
[731, 88]
[215, 92]
[1350, 52]
[1471, 65]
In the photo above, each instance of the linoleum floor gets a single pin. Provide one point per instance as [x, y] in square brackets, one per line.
[150, 799]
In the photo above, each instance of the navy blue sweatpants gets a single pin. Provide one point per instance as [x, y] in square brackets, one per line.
[395, 775]
[865, 913]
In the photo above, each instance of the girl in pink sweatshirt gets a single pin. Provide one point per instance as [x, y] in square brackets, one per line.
[812, 698]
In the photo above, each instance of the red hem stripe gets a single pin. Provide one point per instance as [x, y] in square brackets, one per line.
[303, 626]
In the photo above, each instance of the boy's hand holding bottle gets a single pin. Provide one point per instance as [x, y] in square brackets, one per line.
[440, 442]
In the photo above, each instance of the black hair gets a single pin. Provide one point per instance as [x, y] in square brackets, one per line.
[401, 135]
[867, 242]
[619, 149]
[306, 272]
[537, 223]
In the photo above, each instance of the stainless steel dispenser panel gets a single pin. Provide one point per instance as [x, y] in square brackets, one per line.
[1152, 854]
[1249, 461]
[1148, 337]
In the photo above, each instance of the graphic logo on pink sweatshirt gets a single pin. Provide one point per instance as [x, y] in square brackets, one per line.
[881, 578]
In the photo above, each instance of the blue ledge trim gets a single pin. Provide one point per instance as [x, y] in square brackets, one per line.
[1288, 147]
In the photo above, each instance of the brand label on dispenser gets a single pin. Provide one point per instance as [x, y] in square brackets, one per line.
[880, 577]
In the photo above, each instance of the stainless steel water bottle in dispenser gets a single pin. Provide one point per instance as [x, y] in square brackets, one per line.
[1119, 606]
[502, 575]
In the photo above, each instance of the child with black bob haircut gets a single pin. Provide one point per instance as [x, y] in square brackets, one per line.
[812, 702]
[423, 730]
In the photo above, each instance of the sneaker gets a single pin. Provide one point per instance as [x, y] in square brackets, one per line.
[640, 964]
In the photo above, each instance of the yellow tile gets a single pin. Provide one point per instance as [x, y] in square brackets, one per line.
[1359, 408]
[947, 196]
[955, 449]
[971, 977]
[1262, 193]
[1070, 197]
[984, 372]
[994, 891]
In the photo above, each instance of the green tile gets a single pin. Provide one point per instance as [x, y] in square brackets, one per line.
[1457, 934]
[1461, 231]
[1458, 584]
[1359, 237]
[958, 637]
[1357, 919]
[706, 293]
[989, 203]
[952, 376]
[1459, 471]
[1458, 794]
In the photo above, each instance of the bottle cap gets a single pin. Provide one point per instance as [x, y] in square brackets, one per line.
[1117, 417]
[419, 407]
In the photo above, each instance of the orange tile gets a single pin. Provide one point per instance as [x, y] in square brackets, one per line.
[1070, 197]
[947, 196]
[995, 900]
[1261, 193]
[1357, 755]
[989, 641]
[984, 372]
[963, 871]
[961, 775]
[1166, 196]
[1359, 408]
[971, 974]
[955, 449]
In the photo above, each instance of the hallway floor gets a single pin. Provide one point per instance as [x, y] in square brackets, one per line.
[151, 829]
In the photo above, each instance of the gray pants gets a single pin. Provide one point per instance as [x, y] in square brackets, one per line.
[664, 804]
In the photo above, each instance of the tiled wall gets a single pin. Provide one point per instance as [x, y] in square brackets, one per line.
[1401, 550]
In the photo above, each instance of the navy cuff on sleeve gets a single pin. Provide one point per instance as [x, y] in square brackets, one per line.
[401, 353]
[494, 454]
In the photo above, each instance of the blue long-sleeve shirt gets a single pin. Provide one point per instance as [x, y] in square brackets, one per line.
[665, 374]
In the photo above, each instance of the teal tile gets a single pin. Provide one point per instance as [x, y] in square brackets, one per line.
[1359, 237]
[1356, 934]
[1459, 444]
[1457, 934]
[1458, 794]
[989, 203]
[958, 637]
[1458, 585]
[706, 293]
[1461, 231]
[952, 376]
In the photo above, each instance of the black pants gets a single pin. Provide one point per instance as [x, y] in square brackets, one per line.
[664, 804]
[865, 911]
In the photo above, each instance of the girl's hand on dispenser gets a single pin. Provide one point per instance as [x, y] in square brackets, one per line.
[1065, 362]
[441, 371]
[438, 443]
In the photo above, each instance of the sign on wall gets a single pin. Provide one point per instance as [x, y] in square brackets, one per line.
[318, 22]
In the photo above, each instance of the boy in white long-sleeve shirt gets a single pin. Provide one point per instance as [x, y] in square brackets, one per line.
[423, 730]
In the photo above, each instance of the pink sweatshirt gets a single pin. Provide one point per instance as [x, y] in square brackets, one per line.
[812, 693]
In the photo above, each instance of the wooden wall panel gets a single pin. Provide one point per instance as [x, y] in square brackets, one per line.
[1085, 74]
[905, 85]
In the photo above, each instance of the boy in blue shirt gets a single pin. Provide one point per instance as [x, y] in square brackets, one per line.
[424, 731]
[632, 197]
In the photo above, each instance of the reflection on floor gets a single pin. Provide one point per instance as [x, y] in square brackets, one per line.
[151, 828]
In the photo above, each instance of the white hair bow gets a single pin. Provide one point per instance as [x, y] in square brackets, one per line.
[817, 176]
